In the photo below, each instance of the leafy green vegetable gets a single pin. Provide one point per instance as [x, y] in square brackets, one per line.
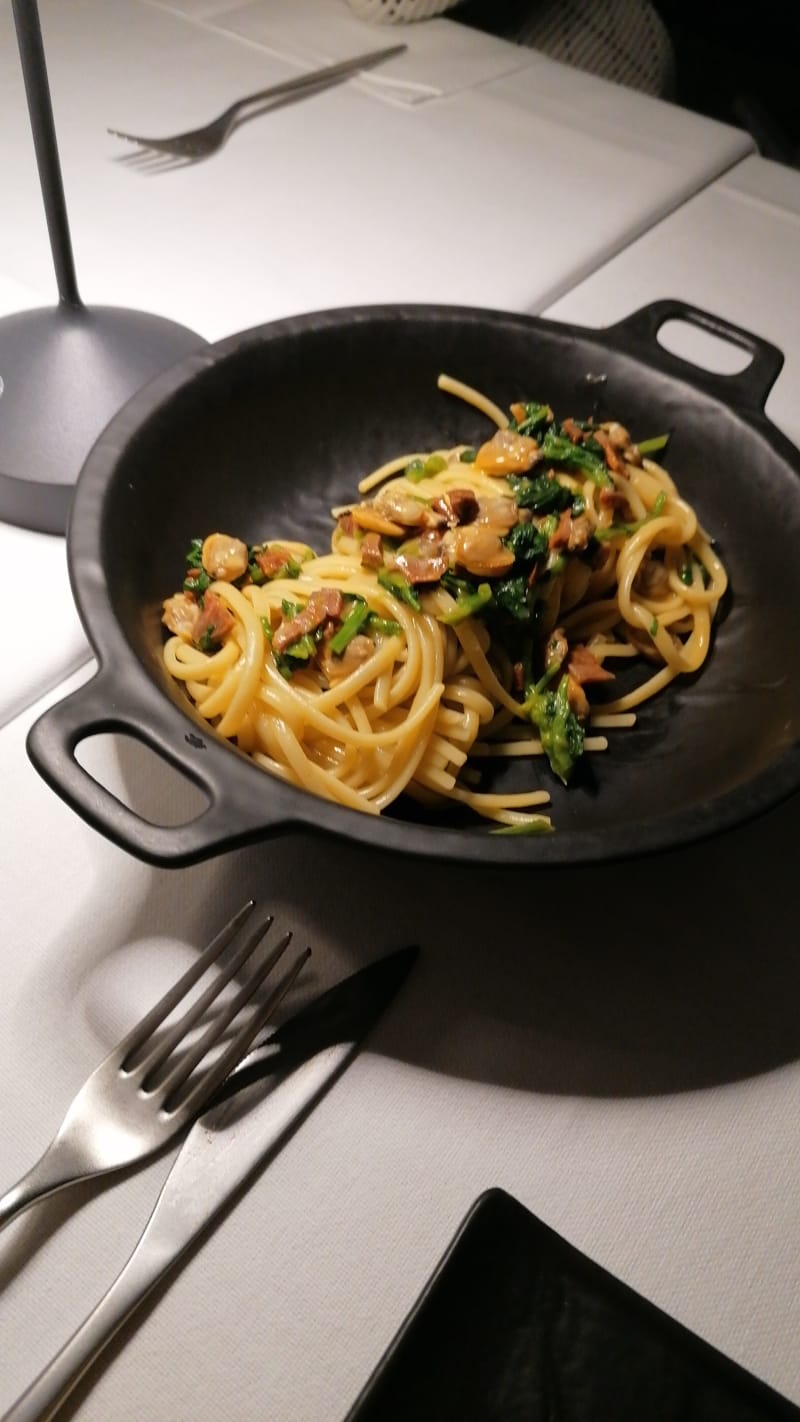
[286, 666]
[544, 681]
[400, 586]
[527, 542]
[197, 583]
[353, 622]
[417, 469]
[459, 587]
[652, 446]
[537, 824]
[208, 642]
[559, 729]
[619, 530]
[543, 493]
[194, 558]
[654, 627]
[386, 625]
[686, 573]
[535, 416]
[289, 569]
[467, 605]
[560, 450]
[302, 650]
[514, 597]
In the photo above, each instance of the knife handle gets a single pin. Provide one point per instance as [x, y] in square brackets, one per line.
[50, 1390]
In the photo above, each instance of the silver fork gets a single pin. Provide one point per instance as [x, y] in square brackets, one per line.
[201, 142]
[139, 1097]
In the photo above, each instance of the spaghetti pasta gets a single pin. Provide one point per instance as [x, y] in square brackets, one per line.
[469, 598]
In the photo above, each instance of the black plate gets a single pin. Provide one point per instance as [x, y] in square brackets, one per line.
[516, 1325]
[263, 433]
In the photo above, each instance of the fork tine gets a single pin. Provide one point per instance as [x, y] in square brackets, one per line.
[185, 1065]
[152, 143]
[183, 1068]
[146, 154]
[149, 147]
[153, 1019]
[155, 160]
[155, 1053]
[140, 158]
[112, 1121]
[166, 163]
[136, 162]
[151, 163]
[237, 1048]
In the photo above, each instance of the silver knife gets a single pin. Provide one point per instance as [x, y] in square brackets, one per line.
[239, 1132]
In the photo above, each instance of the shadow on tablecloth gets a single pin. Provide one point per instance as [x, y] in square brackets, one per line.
[663, 974]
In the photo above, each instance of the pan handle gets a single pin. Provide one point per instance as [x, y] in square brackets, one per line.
[100, 705]
[748, 389]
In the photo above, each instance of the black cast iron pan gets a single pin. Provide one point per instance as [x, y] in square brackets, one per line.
[261, 434]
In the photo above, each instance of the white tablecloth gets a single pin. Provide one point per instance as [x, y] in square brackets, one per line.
[342, 199]
[635, 1088]
[634, 1085]
[733, 249]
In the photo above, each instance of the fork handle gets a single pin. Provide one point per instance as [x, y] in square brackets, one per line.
[313, 77]
[55, 1169]
[62, 1374]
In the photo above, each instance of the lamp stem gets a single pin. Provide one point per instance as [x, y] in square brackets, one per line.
[37, 90]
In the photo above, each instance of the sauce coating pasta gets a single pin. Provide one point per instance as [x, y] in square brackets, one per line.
[469, 600]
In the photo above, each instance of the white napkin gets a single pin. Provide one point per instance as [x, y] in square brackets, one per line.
[443, 57]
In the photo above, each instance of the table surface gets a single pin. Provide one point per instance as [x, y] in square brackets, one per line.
[637, 1093]
[731, 249]
[301, 210]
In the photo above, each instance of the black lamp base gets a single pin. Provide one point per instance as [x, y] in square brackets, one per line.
[64, 372]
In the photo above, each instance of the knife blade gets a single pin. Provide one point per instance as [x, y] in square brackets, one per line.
[244, 1128]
